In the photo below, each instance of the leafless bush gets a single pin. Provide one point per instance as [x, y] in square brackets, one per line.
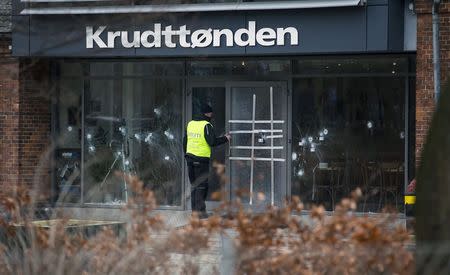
[275, 241]
[279, 242]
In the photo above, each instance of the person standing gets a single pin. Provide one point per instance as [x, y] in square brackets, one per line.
[198, 140]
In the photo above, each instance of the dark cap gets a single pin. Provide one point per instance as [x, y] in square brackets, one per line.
[206, 109]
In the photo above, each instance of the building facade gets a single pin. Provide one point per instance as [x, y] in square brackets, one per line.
[321, 97]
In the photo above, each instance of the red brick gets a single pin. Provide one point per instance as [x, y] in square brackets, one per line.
[424, 74]
[24, 122]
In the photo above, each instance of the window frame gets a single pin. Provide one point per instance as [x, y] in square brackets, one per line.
[187, 79]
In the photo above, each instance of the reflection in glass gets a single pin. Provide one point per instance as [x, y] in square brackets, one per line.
[347, 133]
[67, 135]
[132, 126]
[157, 152]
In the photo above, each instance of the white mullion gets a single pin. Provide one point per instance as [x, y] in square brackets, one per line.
[272, 185]
[257, 159]
[256, 121]
[257, 147]
[253, 149]
[255, 131]
[274, 136]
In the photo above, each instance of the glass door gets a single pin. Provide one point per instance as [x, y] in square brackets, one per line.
[257, 120]
[212, 93]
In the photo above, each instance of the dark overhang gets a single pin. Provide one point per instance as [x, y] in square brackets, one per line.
[49, 7]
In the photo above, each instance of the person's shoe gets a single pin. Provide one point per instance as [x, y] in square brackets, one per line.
[203, 215]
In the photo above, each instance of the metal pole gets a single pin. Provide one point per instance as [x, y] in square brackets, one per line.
[252, 161]
[436, 51]
[271, 149]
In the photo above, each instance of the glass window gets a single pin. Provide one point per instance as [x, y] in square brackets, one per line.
[67, 135]
[268, 141]
[349, 132]
[71, 69]
[102, 68]
[158, 138]
[133, 126]
[153, 69]
[350, 65]
[209, 68]
[239, 67]
[348, 127]
[104, 144]
[261, 67]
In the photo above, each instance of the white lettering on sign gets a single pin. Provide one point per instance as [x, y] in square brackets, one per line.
[201, 38]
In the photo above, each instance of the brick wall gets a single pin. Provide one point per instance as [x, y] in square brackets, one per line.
[25, 117]
[425, 79]
[9, 116]
[5, 16]
[35, 125]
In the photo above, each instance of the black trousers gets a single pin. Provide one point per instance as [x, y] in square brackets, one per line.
[198, 176]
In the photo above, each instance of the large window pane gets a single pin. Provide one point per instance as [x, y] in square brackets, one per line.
[133, 126]
[158, 135]
[241, 173]
[67, 134]
[104, 143]
[349, 133]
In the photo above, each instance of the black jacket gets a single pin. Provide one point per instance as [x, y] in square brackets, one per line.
[210, 137]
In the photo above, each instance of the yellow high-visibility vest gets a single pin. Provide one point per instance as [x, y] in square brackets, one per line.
[196, 141]
[410, 199]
